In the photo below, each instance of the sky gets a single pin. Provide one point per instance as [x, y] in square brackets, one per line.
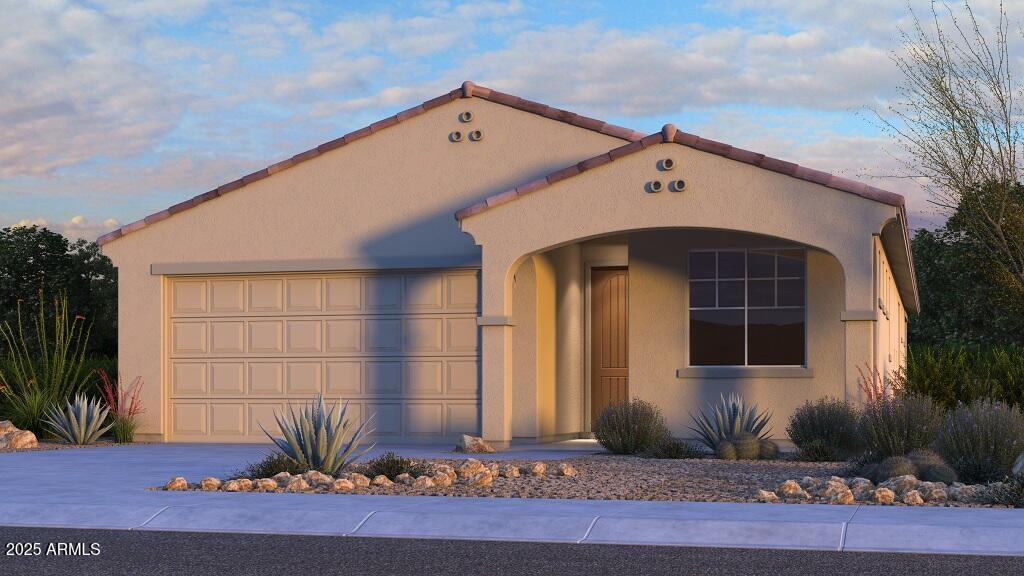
[111, 110]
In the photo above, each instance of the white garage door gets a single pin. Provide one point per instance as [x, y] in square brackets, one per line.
[399, 345]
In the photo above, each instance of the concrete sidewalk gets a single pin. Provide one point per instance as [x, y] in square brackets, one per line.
[107, 488]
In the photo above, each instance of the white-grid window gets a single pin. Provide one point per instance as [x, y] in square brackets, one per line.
[748, 307]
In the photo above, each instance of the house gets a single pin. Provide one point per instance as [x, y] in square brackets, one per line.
[482, 263]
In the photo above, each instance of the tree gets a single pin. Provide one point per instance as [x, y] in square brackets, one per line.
[34, 259]
[959, 121]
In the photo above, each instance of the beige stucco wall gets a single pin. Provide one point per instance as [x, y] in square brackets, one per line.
[720, 194]
[891, 328]
[659, 312]
[390, 194]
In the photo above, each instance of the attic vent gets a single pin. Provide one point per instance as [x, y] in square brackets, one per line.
[476, 135]
[654, 186]
[666, 164]
[466, 116]
[455, 136]
[677, 185]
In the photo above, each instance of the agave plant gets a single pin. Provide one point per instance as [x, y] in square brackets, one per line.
[728, 419]
[81, 422]
[315, 438]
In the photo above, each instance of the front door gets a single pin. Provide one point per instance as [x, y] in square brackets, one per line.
[609, 337]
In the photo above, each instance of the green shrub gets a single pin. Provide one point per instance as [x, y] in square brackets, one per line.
[729, 418]
[316, 439]
[825, 430]
[890, 467]
[748, 446]
[42, 369]
[630, 427]
[391, 465]
[671, 448]
[952, 375]
[274, 463]
[931, 467]
[767, 449]
[898, 425]
[726, 450]
[981, 440]
[80, 422]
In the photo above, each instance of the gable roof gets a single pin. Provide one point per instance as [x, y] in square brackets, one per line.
[467, 90]
[669, 133]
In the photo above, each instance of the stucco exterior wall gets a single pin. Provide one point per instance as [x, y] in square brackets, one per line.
[891, 327]
[659, 322]
[387, 195]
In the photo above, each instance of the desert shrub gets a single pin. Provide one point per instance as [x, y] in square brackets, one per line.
[671, 448]
[391, 465]
[728, 419]
[726, 450]
[931, 467]
[318, 439]
[825, 430]
[898, 425]
[42, 367]
[124, 405]
[981, 440]
[81, 422]
[1011, 492]
[274, 463]
[630, 427]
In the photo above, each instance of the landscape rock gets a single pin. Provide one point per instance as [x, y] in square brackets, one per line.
[810, 483]
[359, 480]
[442, 480]
[342, 485]
[766, 496]
[566, 469]
[470, 467]
[883, 496]
[537, 469]
[381, 480]
[317, 478]
[861, 488]
[445, 469]
[845, 497]
[210, 484]
[509, 471]
[423, 482]
[789, 489]
[177, 483]
[297, 484]
[484, 478]
[901, 484]
[833, 488]
[404, 478]
[282, 479]
[13, 438]
[7, 426]
[264, 485]
[913, 498]
[935, 494]
[473, 445]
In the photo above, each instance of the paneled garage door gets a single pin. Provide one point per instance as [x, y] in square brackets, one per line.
[402, 346]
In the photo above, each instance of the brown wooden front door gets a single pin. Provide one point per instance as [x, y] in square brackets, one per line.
[609, 338]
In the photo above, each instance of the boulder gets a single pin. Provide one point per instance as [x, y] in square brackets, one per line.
[178, 483]
[789, 489]
[833, 488]
[509, 471]
[537, 469]
[766, 496]
[442, 480]
[317, 478]
[470, 467]
[484, 478]
[883, 496]
[381, 480]
[297, 484]
[210, 484]
[264, 485]
[473, 445]
[232, 486]
[445, 469]
[934, 494]
[912, 498]
[861, 488]
[404, 478]
[901, 484]
[343, 485]
[423, 482]
[810, 483]
[12, 438]
[282, 479]
[359, 480]
[845, 497]
[566, 469]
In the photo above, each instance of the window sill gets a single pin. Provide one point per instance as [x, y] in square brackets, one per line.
[744, 372]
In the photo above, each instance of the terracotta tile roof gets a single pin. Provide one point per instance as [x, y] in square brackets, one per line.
[669, 133]
[467, 90]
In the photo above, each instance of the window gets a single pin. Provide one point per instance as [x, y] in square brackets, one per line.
[747, 307]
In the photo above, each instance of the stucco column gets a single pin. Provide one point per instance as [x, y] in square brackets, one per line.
[860, 353]
[495, 339]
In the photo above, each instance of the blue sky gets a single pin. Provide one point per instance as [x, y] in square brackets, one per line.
[111, 110]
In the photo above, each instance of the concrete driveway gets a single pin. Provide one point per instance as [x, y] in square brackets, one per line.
[108, 487]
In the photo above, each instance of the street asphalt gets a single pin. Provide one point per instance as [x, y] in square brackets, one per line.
[145, 553]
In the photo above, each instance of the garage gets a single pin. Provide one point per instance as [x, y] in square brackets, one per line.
[401, 345]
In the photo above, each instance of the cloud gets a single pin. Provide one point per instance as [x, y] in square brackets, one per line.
[74, 227]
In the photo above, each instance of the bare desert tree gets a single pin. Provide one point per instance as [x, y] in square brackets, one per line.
[958, 119]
